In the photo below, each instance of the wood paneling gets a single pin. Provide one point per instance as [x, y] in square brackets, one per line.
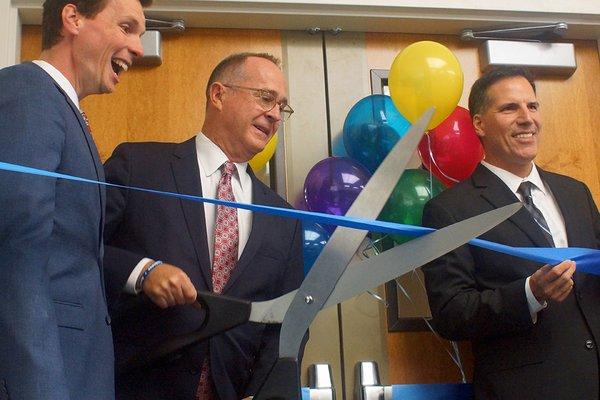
[164, 103]
[570, 145]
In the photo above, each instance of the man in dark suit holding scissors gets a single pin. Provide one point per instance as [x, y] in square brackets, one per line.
[202, 247]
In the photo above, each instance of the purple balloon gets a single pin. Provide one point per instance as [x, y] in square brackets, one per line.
[333, 184]
[300, 203]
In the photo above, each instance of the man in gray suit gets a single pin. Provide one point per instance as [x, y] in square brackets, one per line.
[55, 340]
[534, 328]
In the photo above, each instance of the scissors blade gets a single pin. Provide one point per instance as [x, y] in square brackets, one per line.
[333, 260]
[365, 275]
[271, 311]
[372, 272]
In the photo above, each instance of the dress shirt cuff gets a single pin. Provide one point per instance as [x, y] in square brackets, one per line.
[130, 285]
[534, 305]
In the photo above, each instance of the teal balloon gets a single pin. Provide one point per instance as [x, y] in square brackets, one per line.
[405, 206]
[372, 127]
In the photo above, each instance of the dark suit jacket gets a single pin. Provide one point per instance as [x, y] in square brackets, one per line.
[142, 225]
[479, 295]
[55, 342]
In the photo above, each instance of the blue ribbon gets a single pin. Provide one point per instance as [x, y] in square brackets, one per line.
[434, 391]
[588, 260]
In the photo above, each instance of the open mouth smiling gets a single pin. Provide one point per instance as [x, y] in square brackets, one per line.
[119, 66]
[524, 135]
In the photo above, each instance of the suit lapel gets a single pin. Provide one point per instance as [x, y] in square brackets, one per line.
[260, 222]
[495, 192]
[92, 149]
[570, 213]
[187, 181]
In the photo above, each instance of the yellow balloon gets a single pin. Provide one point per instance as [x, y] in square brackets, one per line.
[425, 74]
[262, 158]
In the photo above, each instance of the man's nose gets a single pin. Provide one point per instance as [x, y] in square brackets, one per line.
[274, 113]
[135, 47]
[525, 116]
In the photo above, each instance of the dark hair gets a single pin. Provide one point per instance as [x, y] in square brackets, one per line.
[52, 16]
[231, 66]
[478, 98]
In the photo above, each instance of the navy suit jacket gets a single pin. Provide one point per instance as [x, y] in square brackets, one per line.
[479, 295]
[143, 225]
[55, 342]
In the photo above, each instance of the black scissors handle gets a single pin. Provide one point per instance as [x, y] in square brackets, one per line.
[222, 314]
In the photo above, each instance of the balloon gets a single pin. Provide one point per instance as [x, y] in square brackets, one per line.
[300, 203]
[372, 128]
[261, 159]
[423, 75]
[452, 150]
[315, 238]
[333, 184]
[405, 206]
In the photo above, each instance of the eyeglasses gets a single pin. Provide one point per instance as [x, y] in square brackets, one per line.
[267, 99]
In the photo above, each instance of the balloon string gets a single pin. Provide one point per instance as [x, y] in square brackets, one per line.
[430, 172]
[373, 245]
[457, 360]
[454, 357]
[432, 161]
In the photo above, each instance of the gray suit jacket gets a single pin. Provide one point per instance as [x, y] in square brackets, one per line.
[55, 342]
[479, 295]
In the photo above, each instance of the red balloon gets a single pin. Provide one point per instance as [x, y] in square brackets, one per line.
[452, 150]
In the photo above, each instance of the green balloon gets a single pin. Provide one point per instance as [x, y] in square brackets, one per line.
[405, 206]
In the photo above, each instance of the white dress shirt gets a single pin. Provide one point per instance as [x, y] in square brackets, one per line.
[210, 159]
[544, 200]
[60, 79]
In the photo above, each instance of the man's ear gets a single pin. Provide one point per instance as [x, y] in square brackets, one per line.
[478, 125]
[215, 95]
[71, 19]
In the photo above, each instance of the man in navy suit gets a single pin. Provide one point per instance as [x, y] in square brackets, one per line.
[246, 103]
[55, 340]
[534, 329]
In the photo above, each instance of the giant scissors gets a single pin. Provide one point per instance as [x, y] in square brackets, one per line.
[332, 279]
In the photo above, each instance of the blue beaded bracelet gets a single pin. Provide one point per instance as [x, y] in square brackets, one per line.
[147, 272]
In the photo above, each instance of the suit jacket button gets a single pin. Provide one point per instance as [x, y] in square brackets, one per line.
[589, 344]
[108, 320]
[194, 371]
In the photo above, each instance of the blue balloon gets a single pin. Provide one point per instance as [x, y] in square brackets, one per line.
[315, 238]
[372, 128]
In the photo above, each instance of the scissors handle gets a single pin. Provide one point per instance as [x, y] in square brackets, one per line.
[222, 314]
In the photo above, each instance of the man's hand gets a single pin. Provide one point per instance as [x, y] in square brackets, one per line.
[553, 283]
[167, 286]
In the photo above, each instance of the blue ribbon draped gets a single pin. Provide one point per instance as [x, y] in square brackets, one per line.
[588, 260]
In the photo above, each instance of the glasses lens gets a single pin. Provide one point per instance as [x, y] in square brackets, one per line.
[286, 111]
[267, 100]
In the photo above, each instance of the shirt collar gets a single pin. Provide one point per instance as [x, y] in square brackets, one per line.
[60, 79]
[211, 157]
[513, 181]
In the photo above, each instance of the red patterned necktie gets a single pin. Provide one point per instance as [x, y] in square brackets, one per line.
[86, 120]
[224, 259]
